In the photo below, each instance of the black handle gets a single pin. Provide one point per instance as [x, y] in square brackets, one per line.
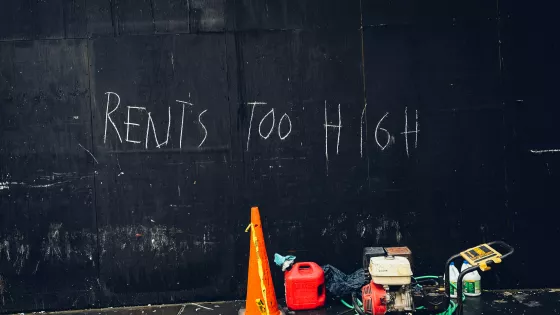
[460, 287]
[357, 308]
[446, 282]
[505, 245]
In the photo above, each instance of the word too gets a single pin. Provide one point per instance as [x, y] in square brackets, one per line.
[284, 119]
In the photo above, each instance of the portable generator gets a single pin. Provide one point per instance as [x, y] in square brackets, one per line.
[393, 289]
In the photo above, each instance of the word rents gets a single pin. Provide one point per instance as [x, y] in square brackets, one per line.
[150, 126]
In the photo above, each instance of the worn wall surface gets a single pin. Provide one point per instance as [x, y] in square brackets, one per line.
[135, 136]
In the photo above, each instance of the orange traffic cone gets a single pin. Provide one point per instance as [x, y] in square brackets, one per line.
[261, 299]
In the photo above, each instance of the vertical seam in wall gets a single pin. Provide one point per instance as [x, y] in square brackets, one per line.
[364, 86]
[86, 29]
[65, 26]
[95, 209]
[231, 139]
[499, 25]
[87, 34]
[113, 17]
[153, 15]
[231, 39]
[363, 52]
[240, 84]
[501, 83]
[228, 79]
[503, 105]
[189, 16]
[232, 186]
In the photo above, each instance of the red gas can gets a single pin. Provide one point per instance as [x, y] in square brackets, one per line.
[305, 286]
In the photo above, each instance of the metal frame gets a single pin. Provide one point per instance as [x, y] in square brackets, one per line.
[489, 262]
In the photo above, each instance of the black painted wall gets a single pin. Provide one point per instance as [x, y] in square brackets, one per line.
[135, 138]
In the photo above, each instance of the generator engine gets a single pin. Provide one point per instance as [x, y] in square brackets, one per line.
[390, 286]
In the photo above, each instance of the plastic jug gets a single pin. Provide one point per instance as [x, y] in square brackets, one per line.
[471, 281]
[305, 286]
[453, 276]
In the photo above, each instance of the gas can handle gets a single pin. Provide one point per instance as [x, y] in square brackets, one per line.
[321, 293]
[304, 267]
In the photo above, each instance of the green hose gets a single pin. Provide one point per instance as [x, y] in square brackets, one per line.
[350, 306]
[346, 304]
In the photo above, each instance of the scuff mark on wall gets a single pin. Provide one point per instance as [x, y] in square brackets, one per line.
[60, 246]
[55, 176]
[5, 248]
[2, 290]
[378, 232]
[21, 257]
[333, 228]
[57, 246]
[15, 249]
[6, 185]
[51, 247]
[44, 181]
[385, 226]
[63, 245]
[398, 234]
[36, 267]
[342, 218]
[364, 227]
[206, 241]
[159, 241]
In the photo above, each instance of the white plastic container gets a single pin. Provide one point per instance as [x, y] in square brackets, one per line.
[453, 276]
[390, 270]
[471, 281]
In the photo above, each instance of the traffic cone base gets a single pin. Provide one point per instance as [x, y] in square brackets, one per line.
[242, 312]
[261, 298]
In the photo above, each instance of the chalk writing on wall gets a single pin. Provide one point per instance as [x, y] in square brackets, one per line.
[338, 128]
[383, 138]
[151, 134]
[545, 151]
[270, 115]
[271, 124]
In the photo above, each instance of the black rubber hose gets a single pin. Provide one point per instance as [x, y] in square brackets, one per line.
[357, 308]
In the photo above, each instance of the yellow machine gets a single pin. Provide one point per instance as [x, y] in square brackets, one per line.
[480, 257]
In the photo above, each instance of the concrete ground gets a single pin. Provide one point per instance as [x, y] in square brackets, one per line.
[528, 302]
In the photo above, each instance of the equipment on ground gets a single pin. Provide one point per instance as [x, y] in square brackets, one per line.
[393, 289]
[389, 289]
[261, 298]
[481, 257]
[305, 286]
